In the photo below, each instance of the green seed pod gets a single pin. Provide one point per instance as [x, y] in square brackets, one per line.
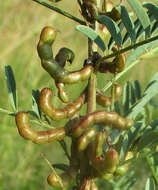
[62, 94]
[70, 174]
[106, 101]
[85, 139]
[57, 71]
[45, 103]
[64, 55]
[122, 170]
[107, 118]
[38, 137]
[44, 46]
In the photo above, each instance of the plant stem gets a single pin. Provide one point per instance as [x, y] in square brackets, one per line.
[133, 46]
[66, 14]
[63, 145]
[91, 102]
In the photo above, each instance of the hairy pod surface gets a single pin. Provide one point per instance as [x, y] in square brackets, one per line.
[38, 137]
[102, 117]
[106, 101]
[85, 139]
[45, 103]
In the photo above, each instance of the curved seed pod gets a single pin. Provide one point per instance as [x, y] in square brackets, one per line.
[106, 164]
[64, 55]
[70, 174]
[44, 49]
[106, 101]
[67, 177]
[116, 66]
[61, 75]
[38, 137]
[45, 103]
[44, 46]
[62, 94]
[107, 118]
[85, 139]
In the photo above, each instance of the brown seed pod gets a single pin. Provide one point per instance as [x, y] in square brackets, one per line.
[38, 137]
[106, 101]
[116, 66]
[62, 94]
[107, 118]
[105, 164]
[45, 103]
[70, 174]
[85, 139]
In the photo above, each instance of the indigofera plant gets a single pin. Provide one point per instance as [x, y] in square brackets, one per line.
[96, 137]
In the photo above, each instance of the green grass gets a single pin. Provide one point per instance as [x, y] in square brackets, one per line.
[21, 166]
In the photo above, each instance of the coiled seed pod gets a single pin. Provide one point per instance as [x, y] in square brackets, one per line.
[62, 94]
[107, 118]
[45, 103]
[44, 49]
[38, 137]
[64, 55]
[106, 101]
[85, 139]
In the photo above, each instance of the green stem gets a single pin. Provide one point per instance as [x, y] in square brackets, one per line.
[133, 46]
[64, 147]
[66, 14]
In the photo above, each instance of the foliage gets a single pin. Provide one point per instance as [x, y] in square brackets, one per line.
[135, 104]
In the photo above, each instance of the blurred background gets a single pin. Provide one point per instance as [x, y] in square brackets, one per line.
[21, 166]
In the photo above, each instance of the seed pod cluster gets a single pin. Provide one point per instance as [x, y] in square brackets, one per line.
[88, 133]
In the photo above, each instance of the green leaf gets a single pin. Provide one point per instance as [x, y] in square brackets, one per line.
[141, 14]
[137, 88]
[111, 41]
[11, 84]
[112, 28]
[128, 23]
[153, 9]
[148, 139]
[35, 103]
[61, 166]
[150, 184]
[130, 138]
[150, 92]
[87, 31]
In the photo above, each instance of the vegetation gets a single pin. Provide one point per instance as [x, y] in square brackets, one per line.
[92, 157]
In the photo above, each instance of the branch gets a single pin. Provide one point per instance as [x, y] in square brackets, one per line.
[66, 14]
[133, 46]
